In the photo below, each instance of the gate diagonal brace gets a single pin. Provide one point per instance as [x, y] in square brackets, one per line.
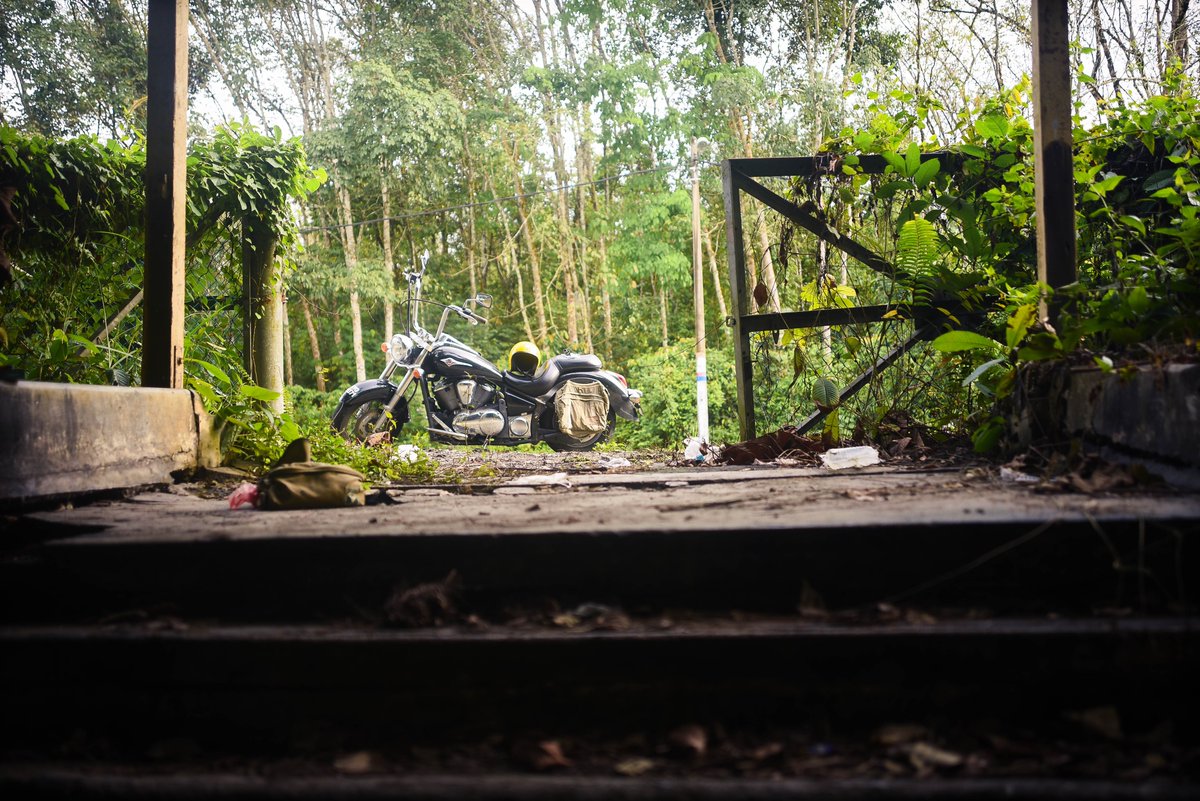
[801, 217]
[923, 332]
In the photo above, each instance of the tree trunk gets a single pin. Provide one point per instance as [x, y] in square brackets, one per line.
[606, 299]
[718, 288]
[289, 376]
[389, 265]
[662, 313]
[350, 245]
[511, 250]
[1179, 31]
[553, 122]
[535, 266]
[471, 245]
[262, 321]
[314, 344]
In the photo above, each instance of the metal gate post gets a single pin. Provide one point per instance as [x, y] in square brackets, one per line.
[743, 366]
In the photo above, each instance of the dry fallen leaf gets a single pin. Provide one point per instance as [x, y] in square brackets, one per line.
[766, 751]
[899, 734]
[691, 739]
[926, 756]
[1103, 720]
[566, 621]
[761, 294]
[378, 438]
[634, 767]
[916, 616]
[357, 763]
[549, 755]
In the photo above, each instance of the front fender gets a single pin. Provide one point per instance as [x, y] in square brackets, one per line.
[618, 394]
[372, 386]
[378, 390]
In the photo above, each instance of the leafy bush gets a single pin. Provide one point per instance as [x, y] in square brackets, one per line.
[667, 377]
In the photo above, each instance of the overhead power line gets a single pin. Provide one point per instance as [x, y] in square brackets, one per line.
[493, 201]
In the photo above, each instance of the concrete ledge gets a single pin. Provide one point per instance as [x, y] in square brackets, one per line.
[60, 439]
[1155, 411]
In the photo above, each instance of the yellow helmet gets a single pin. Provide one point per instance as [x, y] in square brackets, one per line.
[524, 358]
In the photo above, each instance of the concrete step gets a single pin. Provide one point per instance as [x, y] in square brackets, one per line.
[1006, 567]
[206, 711]
[264, 682]
[89, 781]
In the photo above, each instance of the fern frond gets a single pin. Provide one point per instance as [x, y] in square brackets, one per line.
[917, 249]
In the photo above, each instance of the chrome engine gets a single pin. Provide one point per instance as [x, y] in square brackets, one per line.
[469, 403]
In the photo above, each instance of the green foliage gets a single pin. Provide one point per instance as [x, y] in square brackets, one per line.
[79, 248]
[312, 411]
[668, 379]
[825, 394]
[74, 66]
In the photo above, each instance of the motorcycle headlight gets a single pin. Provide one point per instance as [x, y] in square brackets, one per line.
[399, 348]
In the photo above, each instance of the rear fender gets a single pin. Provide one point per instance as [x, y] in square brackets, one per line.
[618, 395]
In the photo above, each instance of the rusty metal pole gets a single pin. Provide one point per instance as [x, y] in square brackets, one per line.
[1054, 171]
[698, 296]
[166, 191]
[739, 297]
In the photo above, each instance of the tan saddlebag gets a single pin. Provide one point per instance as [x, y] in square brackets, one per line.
[297, 482]
[582, 409]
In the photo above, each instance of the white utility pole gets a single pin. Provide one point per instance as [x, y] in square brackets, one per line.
[699, 146]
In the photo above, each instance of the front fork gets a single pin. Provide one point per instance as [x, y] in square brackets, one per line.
[411, 374]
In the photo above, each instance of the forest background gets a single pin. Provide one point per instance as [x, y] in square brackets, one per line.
[539, 149]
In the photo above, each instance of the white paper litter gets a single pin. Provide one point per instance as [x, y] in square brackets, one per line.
[546, 480]
[1008, 474]
[613, 462]
[860, 456]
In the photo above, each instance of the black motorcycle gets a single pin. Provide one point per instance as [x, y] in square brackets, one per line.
[571, 403]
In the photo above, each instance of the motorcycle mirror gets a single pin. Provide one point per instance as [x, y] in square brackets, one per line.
[483, 300]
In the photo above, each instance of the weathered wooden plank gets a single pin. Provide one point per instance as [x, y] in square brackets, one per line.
[1053, 162]
[166, 191]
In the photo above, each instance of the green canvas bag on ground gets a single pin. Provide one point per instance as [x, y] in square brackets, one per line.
[297, 482]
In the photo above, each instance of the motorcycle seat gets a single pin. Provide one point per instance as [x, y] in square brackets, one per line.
[545, 379]
[576, 362]
[541, 382]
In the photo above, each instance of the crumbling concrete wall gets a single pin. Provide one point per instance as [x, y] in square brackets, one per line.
[1153, 410]
[60, 439]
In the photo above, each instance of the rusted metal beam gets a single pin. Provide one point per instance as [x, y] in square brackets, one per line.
[1053, 162]
[813, 225]
[733, 183]
[166, 190]
[865, 377]
[826, 164]
[815, 318]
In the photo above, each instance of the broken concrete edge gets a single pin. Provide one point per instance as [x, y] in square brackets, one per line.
[1150, 413]
[68, 440]
[1153, 410]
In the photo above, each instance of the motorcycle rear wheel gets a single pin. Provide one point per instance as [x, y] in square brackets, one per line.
[357, 420]
[562, 443]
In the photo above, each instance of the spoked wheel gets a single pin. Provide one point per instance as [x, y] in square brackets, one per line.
[365, 416]
[561, 442]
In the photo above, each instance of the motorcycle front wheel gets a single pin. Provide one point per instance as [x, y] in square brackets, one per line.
[361, 418]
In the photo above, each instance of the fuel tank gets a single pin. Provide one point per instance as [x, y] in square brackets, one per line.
[454, 362]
